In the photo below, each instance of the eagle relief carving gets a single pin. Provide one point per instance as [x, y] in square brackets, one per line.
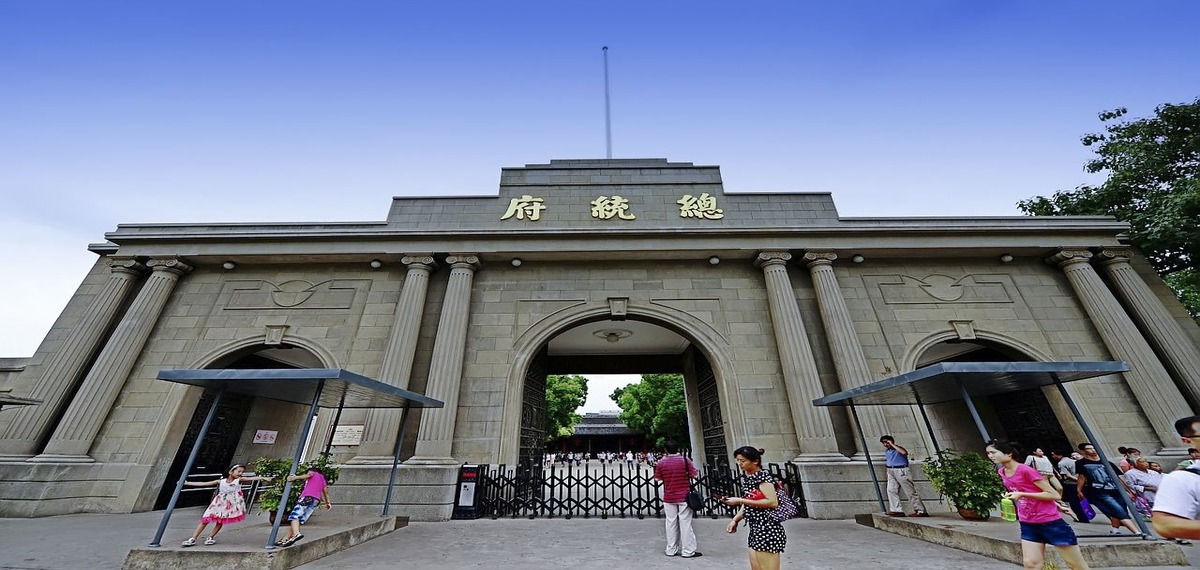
[293, 294]
[940, 288]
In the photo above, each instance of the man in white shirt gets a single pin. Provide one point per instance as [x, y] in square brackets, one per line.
[1177, 507]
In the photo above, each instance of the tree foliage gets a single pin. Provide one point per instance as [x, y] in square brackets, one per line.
[564, 395]
[1153, 168]
[655, 406]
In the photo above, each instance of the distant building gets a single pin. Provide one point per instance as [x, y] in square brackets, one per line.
[601, 431]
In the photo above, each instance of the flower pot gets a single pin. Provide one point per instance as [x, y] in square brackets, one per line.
[972, 515]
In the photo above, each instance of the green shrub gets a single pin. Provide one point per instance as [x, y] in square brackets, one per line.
[969, 480]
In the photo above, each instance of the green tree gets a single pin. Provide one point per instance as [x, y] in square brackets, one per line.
[1153, 168]
[655, 406]
[564, 395]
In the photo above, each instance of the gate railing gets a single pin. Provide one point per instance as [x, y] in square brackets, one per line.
[596, 489]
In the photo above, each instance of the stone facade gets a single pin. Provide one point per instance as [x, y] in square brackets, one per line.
[456, 297]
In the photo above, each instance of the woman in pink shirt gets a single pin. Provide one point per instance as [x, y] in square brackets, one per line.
[1041, 522]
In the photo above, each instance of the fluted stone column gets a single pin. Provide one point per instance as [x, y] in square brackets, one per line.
[814, 428]
[382, 424]
[79, 426]
[1155, 321]
[1161, 401]
[848, 357]
[445, 371]
[66, 366]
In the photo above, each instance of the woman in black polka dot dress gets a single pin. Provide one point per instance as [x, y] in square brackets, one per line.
[767, 538]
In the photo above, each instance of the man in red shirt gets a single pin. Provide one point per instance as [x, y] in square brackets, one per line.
[676, 472]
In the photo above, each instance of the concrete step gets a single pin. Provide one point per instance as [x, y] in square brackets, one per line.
[244, 548]
[999, 539]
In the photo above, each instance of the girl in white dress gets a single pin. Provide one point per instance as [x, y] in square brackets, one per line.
[228, 506]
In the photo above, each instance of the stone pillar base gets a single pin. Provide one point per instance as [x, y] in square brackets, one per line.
[1170, 452]
[56, 458]
[821, 458]
[862, 457]
[433, 461]
[371, 460]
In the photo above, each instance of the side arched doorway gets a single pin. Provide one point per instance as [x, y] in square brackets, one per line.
[1025, 416]
[227, 436]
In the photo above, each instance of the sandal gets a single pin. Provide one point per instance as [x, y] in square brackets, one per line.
[291, 540]
[189, 542]
[210, 541]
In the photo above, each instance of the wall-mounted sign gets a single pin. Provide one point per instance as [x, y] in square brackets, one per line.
[265, 436]
[348, 435]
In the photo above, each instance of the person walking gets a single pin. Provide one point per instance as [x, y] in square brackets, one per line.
[1101, 491]
[767, 538]
[1066, 472]
[1037, 510]
[899, 476]
[316, 491]
[228, 505]
[1177, 502]
[676, 473]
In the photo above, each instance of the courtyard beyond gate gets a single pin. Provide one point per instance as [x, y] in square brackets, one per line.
[603, 490]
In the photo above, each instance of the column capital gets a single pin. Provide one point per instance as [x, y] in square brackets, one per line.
[169, 265]
[815, 258]
[419, 260]
[1110, 255]
[769, 258]
[1068, 257]
[127, 265]
[463, 260]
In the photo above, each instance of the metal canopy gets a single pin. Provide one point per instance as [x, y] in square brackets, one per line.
[337, 387]
[945, 381]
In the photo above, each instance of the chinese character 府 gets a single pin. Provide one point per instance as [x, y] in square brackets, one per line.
[525, 206]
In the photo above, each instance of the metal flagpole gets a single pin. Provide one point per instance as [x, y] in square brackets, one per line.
[607, 109]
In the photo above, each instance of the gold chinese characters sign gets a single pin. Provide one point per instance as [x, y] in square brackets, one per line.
[530, 208]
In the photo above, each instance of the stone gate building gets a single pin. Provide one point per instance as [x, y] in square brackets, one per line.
[763, 301]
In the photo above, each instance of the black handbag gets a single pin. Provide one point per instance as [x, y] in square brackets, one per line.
[694, 500]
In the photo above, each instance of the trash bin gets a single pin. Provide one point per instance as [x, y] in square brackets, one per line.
[466, 499]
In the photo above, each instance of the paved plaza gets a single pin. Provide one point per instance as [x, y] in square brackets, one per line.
[93, 541]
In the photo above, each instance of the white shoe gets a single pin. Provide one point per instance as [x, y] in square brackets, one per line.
[189, 542]
[1114, 531]
[210, 541]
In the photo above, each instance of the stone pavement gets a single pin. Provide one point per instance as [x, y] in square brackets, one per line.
[101, 542]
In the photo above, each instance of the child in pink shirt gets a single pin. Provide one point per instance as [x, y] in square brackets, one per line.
[1041, 522]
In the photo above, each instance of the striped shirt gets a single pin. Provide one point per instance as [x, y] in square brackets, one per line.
[675, 471]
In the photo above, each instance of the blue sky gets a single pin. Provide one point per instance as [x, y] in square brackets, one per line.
[135, 111]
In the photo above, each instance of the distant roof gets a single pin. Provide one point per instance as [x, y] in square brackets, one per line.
[338, 387]
[940, 382]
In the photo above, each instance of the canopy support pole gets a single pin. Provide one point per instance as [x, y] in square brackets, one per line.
[937, 449]
[187, 468]
[337, 417]
[1112, 475]
[974, 413]
[387, 499]
[862, 436]
[287, 487]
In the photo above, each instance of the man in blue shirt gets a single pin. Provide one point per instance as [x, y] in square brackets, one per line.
[899, 476]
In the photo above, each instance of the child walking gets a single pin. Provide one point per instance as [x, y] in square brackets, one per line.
[228, 506]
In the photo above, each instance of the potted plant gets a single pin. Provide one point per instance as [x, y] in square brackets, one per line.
[969, 480]
[270, 497]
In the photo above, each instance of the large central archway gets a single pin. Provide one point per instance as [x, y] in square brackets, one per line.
[645, 339]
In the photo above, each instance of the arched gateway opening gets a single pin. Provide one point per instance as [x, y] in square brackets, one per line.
[228, 439]
[606, 346]
[647, 340]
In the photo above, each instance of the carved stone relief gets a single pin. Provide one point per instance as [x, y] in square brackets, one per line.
[939, 288]
[295, 294]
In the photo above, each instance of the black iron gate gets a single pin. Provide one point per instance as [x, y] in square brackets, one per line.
[712, 425]
[595, 489]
